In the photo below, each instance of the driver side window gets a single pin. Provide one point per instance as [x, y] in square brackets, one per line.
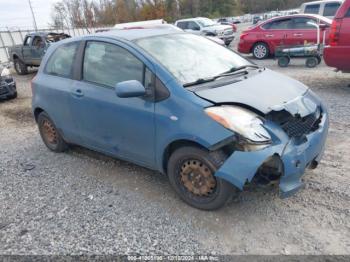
[108, 64]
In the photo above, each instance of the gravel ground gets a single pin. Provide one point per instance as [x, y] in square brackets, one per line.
[81, 202]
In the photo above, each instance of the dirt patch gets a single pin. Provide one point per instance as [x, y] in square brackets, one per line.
[22, 115]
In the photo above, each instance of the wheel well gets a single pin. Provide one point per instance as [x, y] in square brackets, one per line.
[37, 111]
[175, 145]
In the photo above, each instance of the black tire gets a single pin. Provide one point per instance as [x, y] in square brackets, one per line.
[13, 96]
[20, 67]
[311, 62]
[261, 50]
[207, 162]
[50, 135]
[283, 61]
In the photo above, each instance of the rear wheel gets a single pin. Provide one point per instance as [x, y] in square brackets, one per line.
[50, 135]
[283, 61]
[311, 62]
[191, 173]
[261, 51]
[20, 67]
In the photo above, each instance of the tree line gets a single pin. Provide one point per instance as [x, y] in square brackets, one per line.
[91, 13]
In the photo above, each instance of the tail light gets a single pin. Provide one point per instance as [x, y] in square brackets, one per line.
[334, 32]
[243, 35]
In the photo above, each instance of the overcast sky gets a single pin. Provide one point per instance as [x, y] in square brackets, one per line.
[16, 13]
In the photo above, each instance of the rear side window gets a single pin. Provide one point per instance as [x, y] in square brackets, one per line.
[61, 61]
[108, 64]
[330, 9]
[312, 9]
[279, 24]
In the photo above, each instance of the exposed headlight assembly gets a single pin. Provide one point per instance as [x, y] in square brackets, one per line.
[248, 125]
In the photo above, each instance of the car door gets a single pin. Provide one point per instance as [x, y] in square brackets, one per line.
[303, 32]
[275, 32]
[37, 49]
[122, 127]
[26, 49]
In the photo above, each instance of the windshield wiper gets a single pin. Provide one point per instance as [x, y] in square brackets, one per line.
[200, 81]
[236, 69]
[230, 72]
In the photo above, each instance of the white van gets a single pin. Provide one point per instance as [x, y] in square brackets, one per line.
[326, 8]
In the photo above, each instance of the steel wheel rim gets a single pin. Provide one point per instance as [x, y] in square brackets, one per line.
[197, 178]
[49, 132]
[260, 51]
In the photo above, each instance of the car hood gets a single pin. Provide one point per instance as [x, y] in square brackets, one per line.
[266, 91]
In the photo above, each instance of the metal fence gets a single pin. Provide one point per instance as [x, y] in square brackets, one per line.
[11, 38]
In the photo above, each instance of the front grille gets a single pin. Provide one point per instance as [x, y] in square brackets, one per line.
[299, 126]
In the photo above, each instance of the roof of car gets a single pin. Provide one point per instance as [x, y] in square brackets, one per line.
[320, 2]
[300, 15]
[133, 34]
[191, 19]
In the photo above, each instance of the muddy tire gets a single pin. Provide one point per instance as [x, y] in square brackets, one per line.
[20, 67]
[261, 51]
[191, 173]
[50, 135]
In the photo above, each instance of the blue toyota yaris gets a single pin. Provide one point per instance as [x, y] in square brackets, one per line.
[182, 105]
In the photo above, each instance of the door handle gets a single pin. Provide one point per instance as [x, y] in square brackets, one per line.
[269, 35]
[298, 35]
[78, 93]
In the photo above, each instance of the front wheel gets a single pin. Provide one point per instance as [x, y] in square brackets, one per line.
[191, 173]
[20, 67]
[311, 62]
[261, 51]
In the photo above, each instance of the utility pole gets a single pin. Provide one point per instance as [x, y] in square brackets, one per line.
[34, 21]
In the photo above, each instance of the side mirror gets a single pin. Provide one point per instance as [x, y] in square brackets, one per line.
[131, 88]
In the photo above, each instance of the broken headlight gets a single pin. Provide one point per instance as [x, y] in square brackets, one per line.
[247, 125]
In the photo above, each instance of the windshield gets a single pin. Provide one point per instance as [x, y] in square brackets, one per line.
[204, 22]
[190, 57]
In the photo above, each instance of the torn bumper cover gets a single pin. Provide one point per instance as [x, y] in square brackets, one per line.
[295, 154]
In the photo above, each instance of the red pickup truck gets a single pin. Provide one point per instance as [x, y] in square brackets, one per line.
[337, 54]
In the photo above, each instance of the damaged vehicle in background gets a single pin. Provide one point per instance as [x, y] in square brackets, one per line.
[214, 123]
[7, 84]
[33, 49]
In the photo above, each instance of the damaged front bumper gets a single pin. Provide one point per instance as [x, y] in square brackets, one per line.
[7, 88]
[295, 156]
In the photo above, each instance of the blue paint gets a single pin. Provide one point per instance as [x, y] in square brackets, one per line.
[140, 130]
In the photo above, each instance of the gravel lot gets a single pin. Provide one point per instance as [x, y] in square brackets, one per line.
[81, 202]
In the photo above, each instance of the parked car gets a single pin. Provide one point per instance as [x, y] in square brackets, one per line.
[206, 26]
[257, 19]
[326, 8]
[213, 123]
[33, 49]
[225, 21]
[7, 84]
[263, 39]
[337, 54]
